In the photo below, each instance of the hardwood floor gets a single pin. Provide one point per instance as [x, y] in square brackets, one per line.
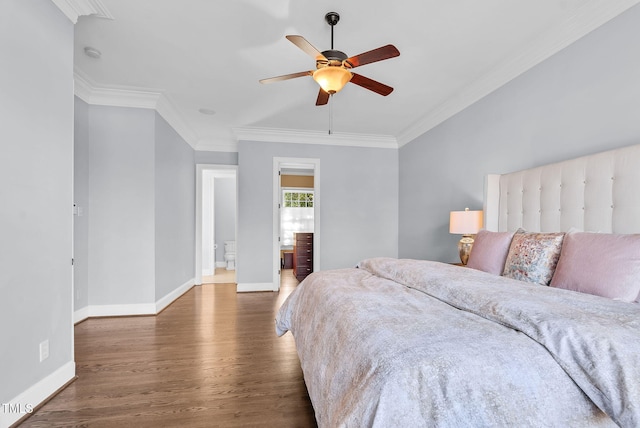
[222, 276]
[211, 359]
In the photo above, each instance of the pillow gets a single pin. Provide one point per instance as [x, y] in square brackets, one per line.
[533, 256]
[603, 264]
[489, 251]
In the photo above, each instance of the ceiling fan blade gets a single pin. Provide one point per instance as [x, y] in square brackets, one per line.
[370, 84]
[384, 52]
[286, 77]
[303, 44]
[323, 98]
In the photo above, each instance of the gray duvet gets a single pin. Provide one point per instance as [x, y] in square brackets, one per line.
[406, 343]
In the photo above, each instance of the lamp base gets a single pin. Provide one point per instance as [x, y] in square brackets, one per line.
[464, 248]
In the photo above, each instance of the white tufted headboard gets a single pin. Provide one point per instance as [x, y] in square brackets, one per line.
[598, 193]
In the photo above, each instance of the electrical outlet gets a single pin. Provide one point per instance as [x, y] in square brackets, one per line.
[44, 350]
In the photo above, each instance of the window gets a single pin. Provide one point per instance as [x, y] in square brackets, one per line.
[298, 199]
[297, 213]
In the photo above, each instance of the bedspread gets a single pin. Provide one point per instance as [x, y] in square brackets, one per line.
[417, 343]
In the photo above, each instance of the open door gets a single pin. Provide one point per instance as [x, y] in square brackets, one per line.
[206, 246]
[300, 167]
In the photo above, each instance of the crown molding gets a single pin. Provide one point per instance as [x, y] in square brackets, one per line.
[587, 18]
[91, 93]
[88, 91]
[73, 9]
[272, 135]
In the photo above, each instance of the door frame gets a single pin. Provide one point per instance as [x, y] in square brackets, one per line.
[226, 171]
[302, 163]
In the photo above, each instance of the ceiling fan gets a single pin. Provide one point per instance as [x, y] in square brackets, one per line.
[333, 67]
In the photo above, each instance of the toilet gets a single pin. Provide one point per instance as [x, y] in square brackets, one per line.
[230, 254]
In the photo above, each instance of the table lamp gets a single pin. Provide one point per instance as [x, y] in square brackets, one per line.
[466, 223]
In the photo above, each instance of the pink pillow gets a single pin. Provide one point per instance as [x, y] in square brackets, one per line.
[603, 264]
[489, 251]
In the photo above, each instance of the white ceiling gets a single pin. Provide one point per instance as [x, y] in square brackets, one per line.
[182, 56]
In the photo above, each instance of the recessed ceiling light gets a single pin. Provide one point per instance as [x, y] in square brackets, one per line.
[92, 52]
[207, 111]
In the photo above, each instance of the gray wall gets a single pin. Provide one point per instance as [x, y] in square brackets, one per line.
[175, 192]
[36, 164]
[583, 100]
[219, 158]
[81, 200]
[225, 213]
[122, 206]
[358, 207]
[135, 182]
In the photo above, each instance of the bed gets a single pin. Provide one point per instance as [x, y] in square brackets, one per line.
[541, 329]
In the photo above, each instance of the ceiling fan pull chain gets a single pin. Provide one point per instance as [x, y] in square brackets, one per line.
[330, 115]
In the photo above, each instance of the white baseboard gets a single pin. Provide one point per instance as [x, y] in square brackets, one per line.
[122, 310]
[254, 286]
[81, 315]
[172, 296]
[131, 309]
[221, 264]
[24, 403]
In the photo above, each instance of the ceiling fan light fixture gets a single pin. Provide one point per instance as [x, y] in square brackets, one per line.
[332, 79]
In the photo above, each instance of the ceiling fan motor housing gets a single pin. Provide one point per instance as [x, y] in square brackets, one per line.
[334, 58]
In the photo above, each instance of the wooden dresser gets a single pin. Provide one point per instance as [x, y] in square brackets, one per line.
[302, 255]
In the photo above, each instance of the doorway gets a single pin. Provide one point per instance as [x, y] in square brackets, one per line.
[216, 223]
[304, 187]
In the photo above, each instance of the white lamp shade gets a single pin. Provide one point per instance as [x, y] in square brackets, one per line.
[465, 222]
